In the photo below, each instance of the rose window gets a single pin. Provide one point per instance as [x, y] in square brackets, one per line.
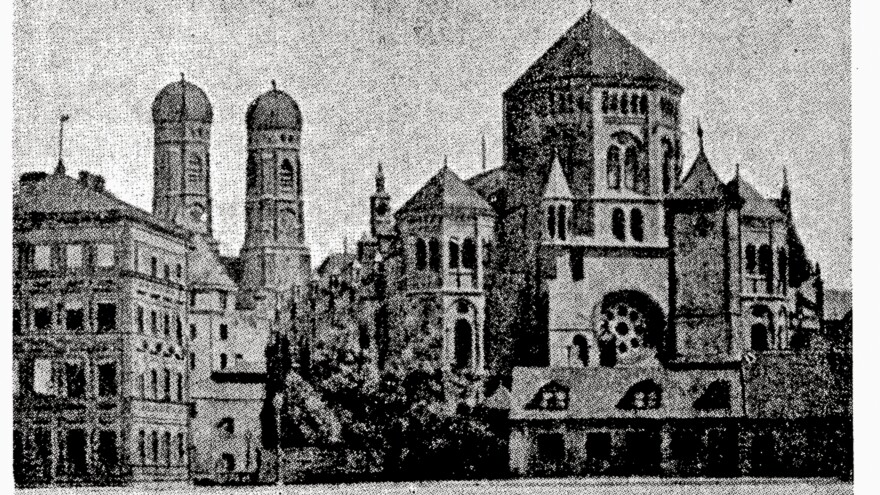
[623, 328]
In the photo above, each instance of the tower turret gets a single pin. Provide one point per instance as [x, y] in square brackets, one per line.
[274, 254]
[182, 117]
[381, 221]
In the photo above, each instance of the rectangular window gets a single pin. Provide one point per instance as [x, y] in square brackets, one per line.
[75, 377]
[140, 319]
[106, 254]
[75, 453]
[223, 300]
[43, 377]
[74, 318]
[224, 331]
[179, 271]
[43, 319]
[43, 257]
[107, 380]
[192, 360]
[153, 324]
[166, 324]
[179, 327]
[73, 256]
[106, 317]
[16, 321]
[107, 455]
[223, 361]
[166, 271]
[154, 267]
[576, 260]
[192, 331]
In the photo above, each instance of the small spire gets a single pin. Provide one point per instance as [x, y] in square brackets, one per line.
[784, 177]
[380, 178]
[483, 149]
[182, 78]
[59, 169]
[700, 134]
[445, 162]
[345, 245]
[274, 86]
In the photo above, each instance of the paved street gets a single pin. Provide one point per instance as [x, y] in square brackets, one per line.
[600, 486]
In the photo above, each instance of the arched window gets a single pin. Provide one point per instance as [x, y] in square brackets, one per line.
[142, 446]
[612, 103]
[636, 225]
[251, 180]
[582, 346]
[561, 222]
[434, 254]
[453, 253]
[618, 224]
[634, 103]
[154, 383]
[421, 254]
[469, 254]
[167, 388]
[783, 340]
[154, 443]
[782, 267]
[195, 169]
[487, 254]
[551, 221]
[644, 104]
[624, 104]
[181, 448]
[668, 163]
[463, 344]
[631, 168]
[166, 447]
[612, 167]
[762, 328]
[765, 265]
[751, 259]
[224, 360]
[286, 175]
[179, 387]
[605, 101]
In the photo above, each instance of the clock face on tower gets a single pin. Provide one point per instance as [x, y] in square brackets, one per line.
[381, 208]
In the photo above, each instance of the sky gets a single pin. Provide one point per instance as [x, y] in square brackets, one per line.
[406, 83]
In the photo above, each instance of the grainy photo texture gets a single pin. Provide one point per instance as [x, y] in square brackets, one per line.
[444, 246]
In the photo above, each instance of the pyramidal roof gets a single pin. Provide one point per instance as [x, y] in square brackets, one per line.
[754, 204]
[592, 48]
[556, 186]
[445, 192]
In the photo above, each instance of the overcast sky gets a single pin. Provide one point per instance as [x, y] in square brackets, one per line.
[387, 80]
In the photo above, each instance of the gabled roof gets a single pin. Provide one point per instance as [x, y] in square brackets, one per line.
[206, 269]
[592, 48]
[487, 182]
[701, 181]
[336, 263]
[445, 193]
[557, 185]
[755, 205]
[59, 194]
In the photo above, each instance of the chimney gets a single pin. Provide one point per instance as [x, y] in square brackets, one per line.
[92, 181]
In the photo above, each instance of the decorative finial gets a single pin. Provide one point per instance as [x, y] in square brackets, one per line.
[785, 177]
[380, 178]
[274, 86]
[345, 245]
[700, 134]
[59, 169]
[182, 78]
[445, 162]
[483, 149]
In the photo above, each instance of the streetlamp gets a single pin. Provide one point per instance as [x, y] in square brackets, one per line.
[278, 402]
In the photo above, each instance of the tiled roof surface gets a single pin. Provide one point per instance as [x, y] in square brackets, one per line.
[593, 48]
[443, 193]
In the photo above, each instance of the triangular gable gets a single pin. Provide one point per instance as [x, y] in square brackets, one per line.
[701, 182]
[557, 185]
[755, 205]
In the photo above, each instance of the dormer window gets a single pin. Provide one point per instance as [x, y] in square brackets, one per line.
[645, 394]
[551, 397]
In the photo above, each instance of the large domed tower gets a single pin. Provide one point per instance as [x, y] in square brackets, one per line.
[274, 254]
[182, 117]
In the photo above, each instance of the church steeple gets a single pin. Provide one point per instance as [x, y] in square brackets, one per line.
[785, 194]
[381, 222]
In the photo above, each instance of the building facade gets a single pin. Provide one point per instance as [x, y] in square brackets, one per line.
[139, 350]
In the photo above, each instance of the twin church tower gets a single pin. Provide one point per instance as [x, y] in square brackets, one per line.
[274, 257]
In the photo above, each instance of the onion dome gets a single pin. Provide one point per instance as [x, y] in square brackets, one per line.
[273, 109]
[182, 101]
